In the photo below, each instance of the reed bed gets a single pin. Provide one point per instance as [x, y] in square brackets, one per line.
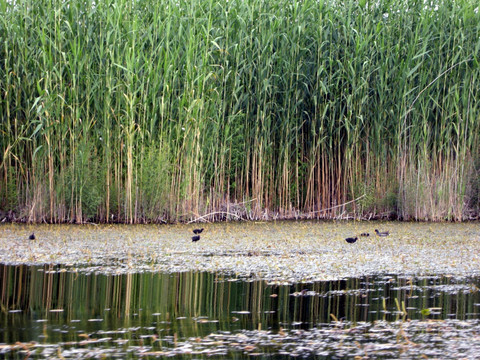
[146, 111]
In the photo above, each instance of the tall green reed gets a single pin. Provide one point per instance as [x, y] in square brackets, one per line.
[164, 111]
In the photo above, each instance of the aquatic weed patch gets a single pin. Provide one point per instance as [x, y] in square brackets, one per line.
[277, 252]
[446, 339]
[449, 339]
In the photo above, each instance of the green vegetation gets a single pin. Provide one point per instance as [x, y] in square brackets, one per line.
[142, 110]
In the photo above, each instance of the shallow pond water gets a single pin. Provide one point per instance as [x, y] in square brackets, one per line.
[50, 312]
[268, 290]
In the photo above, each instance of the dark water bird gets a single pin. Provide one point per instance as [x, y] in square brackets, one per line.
[382, 233]
[197, 231]
[32, 236]
[351, 240]
[364, 234]
[195, 238]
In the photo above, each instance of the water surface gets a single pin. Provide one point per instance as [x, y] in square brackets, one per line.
[50, 311]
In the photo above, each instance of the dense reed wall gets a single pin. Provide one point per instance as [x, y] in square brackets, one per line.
[147, 110]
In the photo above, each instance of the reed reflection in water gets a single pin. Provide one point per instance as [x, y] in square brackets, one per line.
[56, 304]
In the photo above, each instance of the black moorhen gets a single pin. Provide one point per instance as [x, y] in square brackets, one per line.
[195, 238]
[197, 231]
[32, 237]
[382, 233]
[351, 240]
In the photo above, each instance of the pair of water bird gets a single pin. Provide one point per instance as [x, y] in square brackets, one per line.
[196, 232]
[351, 240]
